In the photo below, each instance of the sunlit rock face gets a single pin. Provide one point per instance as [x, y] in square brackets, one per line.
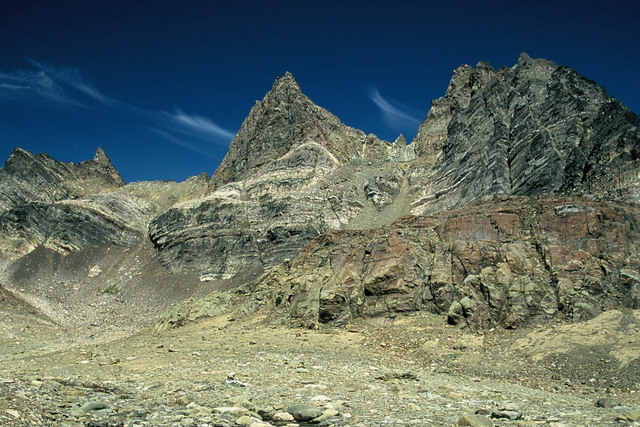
[295, 171]
[289, 176]
[516, 202]
[508, 261]
[534, 128]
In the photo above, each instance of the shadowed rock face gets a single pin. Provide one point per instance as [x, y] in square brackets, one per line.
[28, 177]
[68, 207]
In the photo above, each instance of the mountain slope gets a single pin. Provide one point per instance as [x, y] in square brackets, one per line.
[295, 172]
[534, 128]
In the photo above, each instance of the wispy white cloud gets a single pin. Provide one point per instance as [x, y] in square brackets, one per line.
[200, 126]
[55, 87]
[182, 143]
[394, 116]
[48, 85]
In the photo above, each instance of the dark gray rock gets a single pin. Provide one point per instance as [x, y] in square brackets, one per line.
[28, 177]
[534, 128]
[606, 402]
[304, 412]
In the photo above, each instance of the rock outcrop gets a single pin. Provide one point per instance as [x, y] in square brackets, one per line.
[67, 207]
[507, 262]
[288, 177]
[516, 202]
[294, 171]
[28, 177]
[534, 128]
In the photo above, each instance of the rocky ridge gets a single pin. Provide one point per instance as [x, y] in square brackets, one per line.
[295, 172]
[535, 128]
[508, 262]
[452, 264]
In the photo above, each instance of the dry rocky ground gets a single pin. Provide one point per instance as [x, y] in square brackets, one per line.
[413, 371]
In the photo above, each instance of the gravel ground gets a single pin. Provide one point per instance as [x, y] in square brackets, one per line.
[228, 372]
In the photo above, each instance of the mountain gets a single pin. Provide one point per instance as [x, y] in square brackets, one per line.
[517, 202]
[534, 128]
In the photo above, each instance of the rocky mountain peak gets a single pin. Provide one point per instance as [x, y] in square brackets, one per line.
[284, 89]
[101, 156]
[38, 177]
[283, 119]
[535, 127]
[17, 158]
[101, 164]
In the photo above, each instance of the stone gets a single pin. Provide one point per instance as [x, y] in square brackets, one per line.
[474, 421]
[93, 406]
[423, 263]
[231, 410]
[304, 412]
[247, 420]
[606, 402]
[628, 416]
[282, 416]
[13, 413]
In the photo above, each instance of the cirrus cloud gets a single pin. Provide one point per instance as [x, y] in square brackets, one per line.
[64, 87]
[393, 116]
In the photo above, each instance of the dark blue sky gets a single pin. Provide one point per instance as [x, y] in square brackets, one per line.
[163, 86]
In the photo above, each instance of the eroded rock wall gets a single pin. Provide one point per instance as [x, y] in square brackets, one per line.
[533, 128]
[507, 262]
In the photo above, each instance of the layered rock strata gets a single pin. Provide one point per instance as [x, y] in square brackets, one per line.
[68, 207]
[534, 128]
[503, 262]
[394, 227]
[294, 171]
[288, 177]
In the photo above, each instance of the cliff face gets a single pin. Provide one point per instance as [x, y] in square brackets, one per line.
[28, 177]
[286, 179]
[534, 128]
[509, 261]
[67, 207]
[295, 171]
[516, 202]
[282, 122]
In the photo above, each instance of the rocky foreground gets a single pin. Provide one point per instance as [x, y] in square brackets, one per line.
[413, 371]
[487, 273]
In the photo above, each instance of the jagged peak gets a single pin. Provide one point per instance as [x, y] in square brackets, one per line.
[525, 61]
[284, 87]
[484, 65]
[524, 58]
[287, 77]
[19, 150]
[18, 156]
[101, 156]
[400, 140]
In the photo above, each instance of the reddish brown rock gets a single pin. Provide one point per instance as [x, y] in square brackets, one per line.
[508, 262]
